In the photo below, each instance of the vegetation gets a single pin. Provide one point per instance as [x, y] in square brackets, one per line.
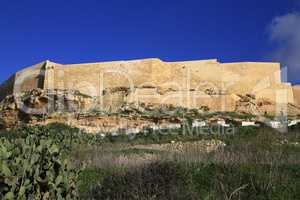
[35, 168]
[173, 180]
[61, 162]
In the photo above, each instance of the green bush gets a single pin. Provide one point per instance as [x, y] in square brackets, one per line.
[219, 181]
[35, 168]
[154, 181]
[34, 165]
[173, 180]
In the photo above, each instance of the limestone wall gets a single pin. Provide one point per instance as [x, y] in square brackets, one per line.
[30, 78]
[296, 91]
[249, 77]
[27, 79]
[196, 75]
[189, 83]
[190, 99]
[280, 93]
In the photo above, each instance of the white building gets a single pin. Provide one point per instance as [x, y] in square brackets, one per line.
[154, 127]
[198, 123]
[275, 124]
[248, 123]
[174, 126]
[293, 122]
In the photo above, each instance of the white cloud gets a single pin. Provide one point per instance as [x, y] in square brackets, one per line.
[285, 32]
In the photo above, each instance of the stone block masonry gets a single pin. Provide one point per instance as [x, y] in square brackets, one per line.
[192, 84]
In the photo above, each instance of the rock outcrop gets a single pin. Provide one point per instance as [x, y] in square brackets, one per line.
[37, 105]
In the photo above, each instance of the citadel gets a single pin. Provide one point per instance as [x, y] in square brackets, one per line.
[244, 86]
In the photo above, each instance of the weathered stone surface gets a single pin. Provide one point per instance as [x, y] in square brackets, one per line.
[36, 105]
[192, 84]
[296, 92]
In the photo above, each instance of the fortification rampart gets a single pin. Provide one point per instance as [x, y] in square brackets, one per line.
[189, 84]
[195, 75]
[296, 92]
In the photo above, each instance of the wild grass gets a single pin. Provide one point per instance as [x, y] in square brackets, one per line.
[256, 163]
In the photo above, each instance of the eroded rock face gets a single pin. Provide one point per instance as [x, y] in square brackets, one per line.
[9, 114]
[36, 105]
[39, 106]
[42, 107]
[246, 103]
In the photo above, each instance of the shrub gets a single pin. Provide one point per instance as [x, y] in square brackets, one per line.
[174, 180]
[35, 168]
[154, 181]
[219, 181]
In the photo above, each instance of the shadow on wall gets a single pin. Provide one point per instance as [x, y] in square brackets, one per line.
[7, 87]
[41, 76]
[35, 79]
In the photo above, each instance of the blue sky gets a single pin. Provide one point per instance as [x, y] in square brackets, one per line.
[95, 30]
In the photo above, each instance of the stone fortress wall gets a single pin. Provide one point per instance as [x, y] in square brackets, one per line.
[296, 91]
[191, 84]
[24, 80]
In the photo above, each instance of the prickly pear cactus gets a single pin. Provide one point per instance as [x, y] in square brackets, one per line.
[35, 168]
